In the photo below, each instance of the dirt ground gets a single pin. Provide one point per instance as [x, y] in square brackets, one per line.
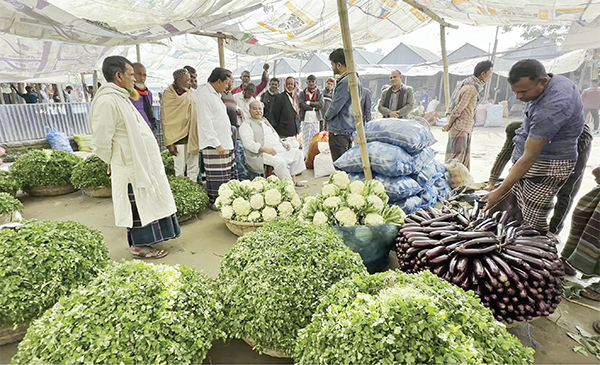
[206, 239]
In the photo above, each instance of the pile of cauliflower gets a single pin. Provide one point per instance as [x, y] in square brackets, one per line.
[258, 200]
[345, 203]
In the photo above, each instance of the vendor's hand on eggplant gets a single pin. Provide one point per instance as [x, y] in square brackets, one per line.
[492, 199]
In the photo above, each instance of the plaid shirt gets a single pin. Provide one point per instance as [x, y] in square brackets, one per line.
[463, 118]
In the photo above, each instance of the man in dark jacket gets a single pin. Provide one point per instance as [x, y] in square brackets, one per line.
[398, 100]
[268, 97]
[284, 113]
[339, 117]
[366, 103]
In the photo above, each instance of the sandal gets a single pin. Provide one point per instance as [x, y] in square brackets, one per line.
[148, 253]
[590, 294]
[596, 326]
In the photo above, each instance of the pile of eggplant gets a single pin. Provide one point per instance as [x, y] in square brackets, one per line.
[513, 269]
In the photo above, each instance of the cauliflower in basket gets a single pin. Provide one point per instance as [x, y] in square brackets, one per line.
[376, 201]
[373, 219]
[246, 184]
[269, 214]
[290, 189]
[320, 219]
[273, 179]
[346, 217]
[224, 187]
[329, 190]
[241, 207]
[332, 202]
[254, 217]
[355, 201]
[357, 187]
[259, 185]
[377, 187]
[225, 196]
[309, 199]
[285, 209]
[227, 212]
[340, 179]
[272, 197]
[296, 202]
[257, 201]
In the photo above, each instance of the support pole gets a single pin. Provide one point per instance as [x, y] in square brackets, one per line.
[496, 89]
[445, 61]
[95, 81]
[353, 83]
[138, 53]
[85, 93]
[486, 93]
[59, 89]
[221, 52]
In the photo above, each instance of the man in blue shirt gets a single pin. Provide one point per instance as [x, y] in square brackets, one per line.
[31, 97]
[546, 145]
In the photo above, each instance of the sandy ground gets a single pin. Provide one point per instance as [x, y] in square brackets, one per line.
[206, 239]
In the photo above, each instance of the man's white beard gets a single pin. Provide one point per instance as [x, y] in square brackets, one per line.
[140, 85]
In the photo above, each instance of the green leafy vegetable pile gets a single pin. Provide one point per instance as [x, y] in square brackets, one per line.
[398, 318]
[42, 261]
[9, 204]
[169, 163]
[91, 173]
[8, 183]
[44, 167]
[271, 280]
[190, 198]
[133, 313]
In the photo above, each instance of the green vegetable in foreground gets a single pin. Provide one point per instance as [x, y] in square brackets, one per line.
[398, 318]
[44, 167]
[8, 183]
[189, 197]
[91, 173]
[168, 162]
[9, 204]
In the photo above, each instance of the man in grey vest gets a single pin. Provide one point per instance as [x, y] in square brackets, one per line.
[398, 100]
[262, 146]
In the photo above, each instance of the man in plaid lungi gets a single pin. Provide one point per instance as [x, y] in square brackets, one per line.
[214, 132]
[546, 145]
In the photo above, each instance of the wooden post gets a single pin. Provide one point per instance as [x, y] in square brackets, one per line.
[274, 68]
[59, 89]
[353, 83]
[488, 85]
[496, 88]
[85, 93]
[95, 81]
[138, 53]
[445, 61]
[221, 52]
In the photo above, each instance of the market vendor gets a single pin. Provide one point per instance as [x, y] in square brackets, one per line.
[545, 146]
[262, 146]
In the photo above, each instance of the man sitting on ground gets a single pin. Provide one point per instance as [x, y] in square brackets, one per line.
[262, 146]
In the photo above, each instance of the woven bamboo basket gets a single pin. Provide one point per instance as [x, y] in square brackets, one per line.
[241, 228]
[101, 192]
[272, 353]
[5, 218]
[183, 218]
[11, 335]
[49, 190]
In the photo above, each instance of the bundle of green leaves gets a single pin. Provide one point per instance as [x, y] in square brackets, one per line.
[8, 183]
[9, 204]
[271, 280]
[91, 173]
[190, 198]
[41, 261]
[44, 167]
[133, 313]
[398, 318]
[168, 162]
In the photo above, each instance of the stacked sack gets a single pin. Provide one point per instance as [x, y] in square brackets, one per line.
[402, 159]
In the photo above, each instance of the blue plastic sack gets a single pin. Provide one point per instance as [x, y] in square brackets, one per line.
[396, 187]
[240, 161]
[58, 140]
[372, 243]
[423, 159]
[409, 205]
[406, 133]
[443, 188]
[386, 159]
[428, 197]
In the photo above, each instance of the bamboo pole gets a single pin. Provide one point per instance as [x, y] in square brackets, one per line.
[95, 81]
[488, 85]
[138, 53]
[221, 52]
[353, 83]
[85, 93]
[445, 60]
[430, 14]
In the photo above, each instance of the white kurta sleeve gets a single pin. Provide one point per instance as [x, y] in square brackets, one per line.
[103, 121]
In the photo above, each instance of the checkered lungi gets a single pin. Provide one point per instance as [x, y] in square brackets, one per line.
[582, 249]
[535, 192]
[309, 130]
[153, 233]
[219, 170]
[459, 147]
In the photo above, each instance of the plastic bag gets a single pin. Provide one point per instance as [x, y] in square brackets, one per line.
[406, 133]
[313, 149]
[458, 175]
[84, 142]
[240, 161]
[428, 196]
[373, 243]
[430, 173]
[423, 159]
[386, 159]
[396, 187]
[58, 140]
[323, 163]
[409, 205]
[443, 188]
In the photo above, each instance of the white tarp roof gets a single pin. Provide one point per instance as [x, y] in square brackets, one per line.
[583, 35]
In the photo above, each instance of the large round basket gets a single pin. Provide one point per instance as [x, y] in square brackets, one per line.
[101, 192]
[11, 335]
[183, 218]
[241, 228]
[5, 218]
[272, 353]
[49, 190]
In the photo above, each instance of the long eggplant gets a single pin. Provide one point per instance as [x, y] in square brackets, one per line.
[491, 265]
[435, 252]
[452, 264]
[476, 251]
[445, 217]
[439, 259]
[534, 262]
[505, 267]
[467, 235]
[478, 268]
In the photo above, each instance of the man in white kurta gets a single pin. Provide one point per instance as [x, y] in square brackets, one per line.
[141, 194]
[243, 101]
[262, 146]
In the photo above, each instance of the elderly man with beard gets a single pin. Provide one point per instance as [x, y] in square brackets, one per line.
[180, 125]
[141, 194]
[262, 146]
[246, 80]
[310, 101]
[269, 97]
[143, 102]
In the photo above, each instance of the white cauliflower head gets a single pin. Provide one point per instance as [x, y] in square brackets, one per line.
[377, 187]
[257, 202]
[309, 199]
[320, 219]
[296, 202]
[329, 190]
[290, 189]
[285, 209]
[241, 207]
[259, 185]
[272, 197]
[269, 213]
[246, 184]
[254, 217]
[356, 201]
[373, 219]
[225, 196]
[346, 217]
[357, 187]
[340, 179]
[224, 187]
[273, 179]
[332, 202]
[227, 212]
[376, 201]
